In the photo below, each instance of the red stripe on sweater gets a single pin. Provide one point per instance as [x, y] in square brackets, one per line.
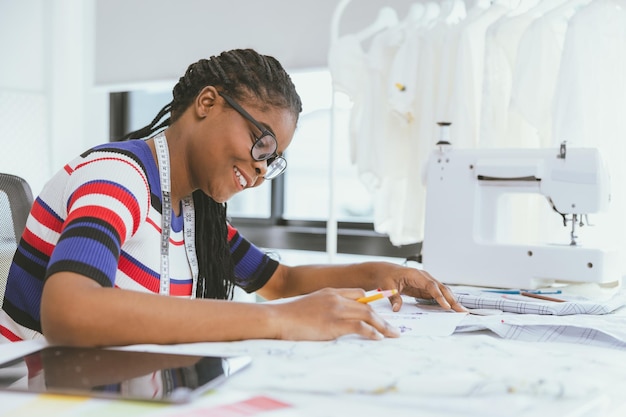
[231, 232]
[9, 334]
[38, 243]
[102, 213]
[129, 163]
[112, 190]
[139, 275]
[153, 224]
[158, 229]
[46, 218]
[180, 289]
[149, 281]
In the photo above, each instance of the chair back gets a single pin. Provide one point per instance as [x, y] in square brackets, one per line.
[16, 199]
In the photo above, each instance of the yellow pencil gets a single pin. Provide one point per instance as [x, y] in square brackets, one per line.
[377, 296]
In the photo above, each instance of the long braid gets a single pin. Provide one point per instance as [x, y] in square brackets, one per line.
[239, 73]
[152, 128]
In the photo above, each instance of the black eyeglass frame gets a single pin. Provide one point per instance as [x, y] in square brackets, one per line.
[275, 162]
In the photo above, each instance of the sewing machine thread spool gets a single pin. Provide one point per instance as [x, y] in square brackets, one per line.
[444, 133]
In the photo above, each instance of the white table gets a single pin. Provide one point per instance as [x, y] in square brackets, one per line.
[467, 374]
[553, 372]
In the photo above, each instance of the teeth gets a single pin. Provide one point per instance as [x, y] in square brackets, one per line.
[240, 177]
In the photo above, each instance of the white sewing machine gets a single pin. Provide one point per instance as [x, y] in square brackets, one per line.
[462, 241]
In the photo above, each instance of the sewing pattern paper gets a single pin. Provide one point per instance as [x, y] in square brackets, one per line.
[514, 305]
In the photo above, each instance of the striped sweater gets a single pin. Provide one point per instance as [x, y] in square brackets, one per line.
[100, 216]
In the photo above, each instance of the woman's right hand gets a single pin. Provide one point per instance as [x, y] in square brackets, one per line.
[328, 314]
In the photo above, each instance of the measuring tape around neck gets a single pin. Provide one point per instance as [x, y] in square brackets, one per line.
[189, 220]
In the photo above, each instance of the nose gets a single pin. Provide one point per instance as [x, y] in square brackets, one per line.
[260, 168]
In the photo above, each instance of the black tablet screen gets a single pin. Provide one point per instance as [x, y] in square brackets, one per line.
[114, 373]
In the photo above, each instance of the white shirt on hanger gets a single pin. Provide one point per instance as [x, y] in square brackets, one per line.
[537, 67]
[386, 135]
[499, 128]
[449, 64]
[466, 99]
[424, 132]
[348, 63]
[590, 102]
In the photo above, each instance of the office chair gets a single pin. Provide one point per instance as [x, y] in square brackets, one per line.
[16, 199]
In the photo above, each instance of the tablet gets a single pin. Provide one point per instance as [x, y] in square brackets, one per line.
[118, 374]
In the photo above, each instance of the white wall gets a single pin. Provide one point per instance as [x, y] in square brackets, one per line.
[24, 122]
[49, 108]
[139, 41]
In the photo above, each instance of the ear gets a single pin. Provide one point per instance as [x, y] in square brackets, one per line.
[205, 100]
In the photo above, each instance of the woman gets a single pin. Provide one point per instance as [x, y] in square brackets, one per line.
[97, 255]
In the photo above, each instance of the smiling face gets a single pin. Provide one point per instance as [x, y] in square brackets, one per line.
[219, 154]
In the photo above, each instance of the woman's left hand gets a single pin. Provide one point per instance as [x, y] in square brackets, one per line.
[415, 283]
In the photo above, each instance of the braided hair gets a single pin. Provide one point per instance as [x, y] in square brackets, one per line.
[238, 73]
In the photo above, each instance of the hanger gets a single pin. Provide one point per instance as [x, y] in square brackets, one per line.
[387, 17]
[416, 13]
[414, 17]
[544, 6]
[452, 11]
[432, 11]
[526, 5]
[479, 5]
[510, 4]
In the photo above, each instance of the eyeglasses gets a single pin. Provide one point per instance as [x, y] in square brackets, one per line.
[264, 147]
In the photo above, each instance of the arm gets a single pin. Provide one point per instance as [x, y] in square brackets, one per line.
[289, 281]
[91, 315]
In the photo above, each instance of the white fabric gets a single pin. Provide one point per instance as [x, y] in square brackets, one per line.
[466, 100]
[590, 102]
[498, 128]
[387, 147]
[537, 67]
[423, 133]
[403, 88]
[450, 62]
[347, 61]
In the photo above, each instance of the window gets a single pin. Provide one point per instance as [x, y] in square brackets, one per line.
[307, 188]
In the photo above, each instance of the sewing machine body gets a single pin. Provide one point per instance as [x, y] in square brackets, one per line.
[462, 243]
